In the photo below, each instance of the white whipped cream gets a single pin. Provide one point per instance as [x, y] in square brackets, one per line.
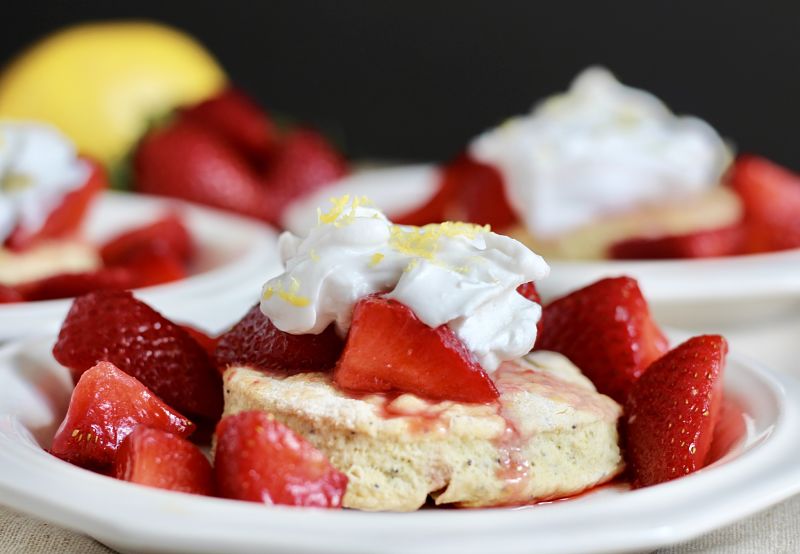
[38, 167]
[456, 274]
[600, 148]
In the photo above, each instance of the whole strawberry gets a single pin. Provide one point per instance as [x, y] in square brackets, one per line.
[185, 160]
[304, 163]
[235, 117]
[255, 341]
[673, 409]
[607, 331]
[113, 326]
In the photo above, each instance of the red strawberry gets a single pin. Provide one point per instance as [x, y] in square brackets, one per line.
[771, 198]
[260, 460]
[436, 209]
[208, 343]
[724, 241]
[256, 341]
[185, 160]
[167, 235]
[67, 285]
[68, 216]
[234, 116]
[304, 163]
[672, 411]
[388, 348]
[479, 194]
[528, 290]
[115, 327]
[159, 459]
[607, 331]
[149, 268]
[9, 295]
[106, 405]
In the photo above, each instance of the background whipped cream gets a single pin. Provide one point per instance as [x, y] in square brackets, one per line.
[600, 148]
[38, 167]
[457, 274]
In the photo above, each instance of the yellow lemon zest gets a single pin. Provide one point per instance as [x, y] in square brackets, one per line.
[339, 204]
[423, 242]
[313, 255]
[376, 259]
[289, 296]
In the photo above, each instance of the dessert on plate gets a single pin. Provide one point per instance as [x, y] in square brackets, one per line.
[46, 190]
[604, 170]
[387, 368]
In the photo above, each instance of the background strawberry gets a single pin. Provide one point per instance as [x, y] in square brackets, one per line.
[771, 198]
[113, 326]
[165, 235]
[673, 409]
[607, 331]
[106, 405]
[156, 458]
[235, 117]
[304, 162]
[186, 160]
[478, 194]
[260, 460]
[255, 341]
[711, 243]
[66, 285]
[389, 348]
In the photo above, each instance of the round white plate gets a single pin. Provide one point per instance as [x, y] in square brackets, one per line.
[683, 293]
[759, 470]
[235, 255]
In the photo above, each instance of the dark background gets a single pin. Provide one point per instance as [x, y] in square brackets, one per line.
[415, 80]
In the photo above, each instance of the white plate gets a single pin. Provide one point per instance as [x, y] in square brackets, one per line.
[235, 256]
[683, 293]
[758, 471]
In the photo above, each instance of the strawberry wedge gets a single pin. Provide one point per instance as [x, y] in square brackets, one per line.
[390, 349]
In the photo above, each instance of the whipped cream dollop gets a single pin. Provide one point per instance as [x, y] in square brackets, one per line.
[600, 148]
[38, 167]
[454, 274]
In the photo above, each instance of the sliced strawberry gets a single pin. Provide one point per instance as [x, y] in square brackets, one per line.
[149, 268]
[771, 198]
[260, 460]
[436, 209]
[67, 285]
[163, 460]
[65, 219]
[479, 194]
[106, 405]
[607, 331]
[185, 160]
[234, 116]
[711, 243]
[166, 235]
[9, 295]
[202, 338]
[255, 341]
[528, 290]
[115, 327]
[672, 411]
[304, 163]
[389, 348]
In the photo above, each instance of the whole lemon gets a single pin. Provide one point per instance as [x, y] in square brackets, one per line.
[102, 83]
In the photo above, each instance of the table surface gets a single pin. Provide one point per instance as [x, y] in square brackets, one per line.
[775, 343]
